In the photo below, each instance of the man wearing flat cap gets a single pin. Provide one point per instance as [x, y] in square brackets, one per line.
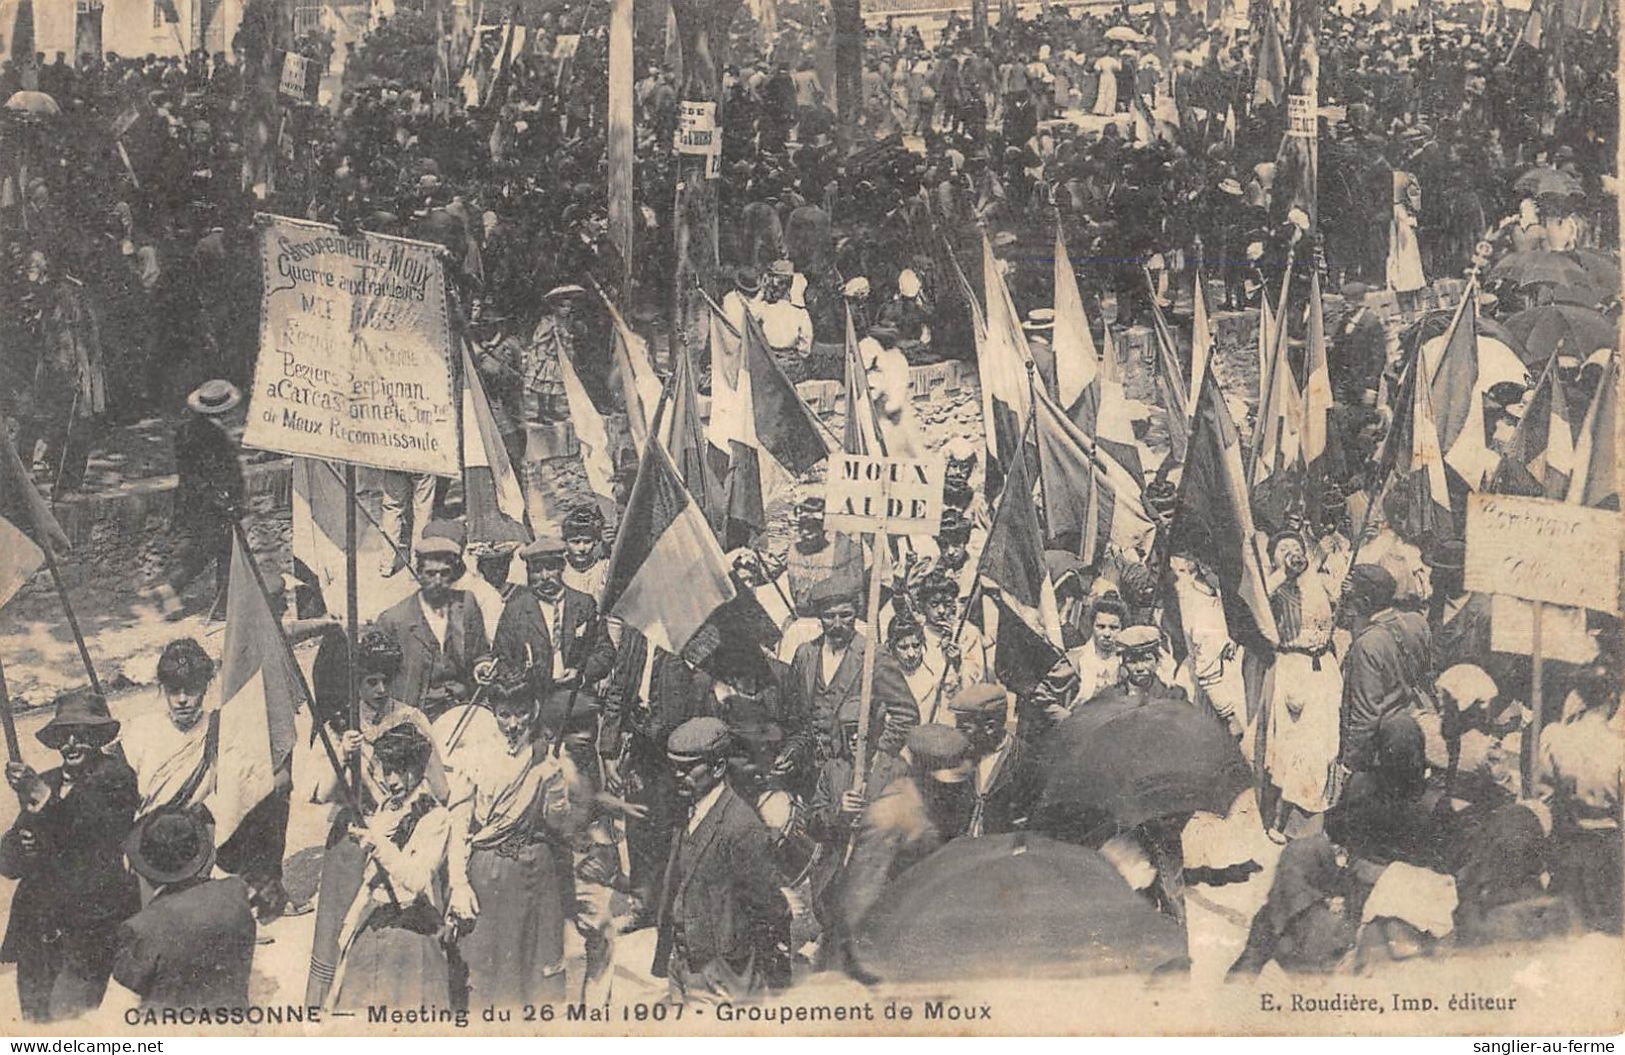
[1388, 663]
[1005, 781]
[65, 849]
[193, 944]
[722, 907]
[585, 563]
[910, 819]
[550, 629]
[1140, 647]
[440, 630]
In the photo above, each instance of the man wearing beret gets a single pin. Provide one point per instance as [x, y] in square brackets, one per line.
[550, 629]
[1005, 782]
[1141, 649]
[440, 630]
[722, 907]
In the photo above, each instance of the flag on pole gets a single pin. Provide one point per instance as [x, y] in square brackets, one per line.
[26, 523]
[1595, 481]
[684, 439]
[640, 385]
[1269, 78]
[861, 433]
[1458, 406]
[1077, 364]
[1201, 337]
[664, 540]
[1317, 388]
[1266, 342]
[261, 690]
[318, 529]
[1213, 522]
[1412, 462]
[1539, 462]
[1172, 389]
[1002, 358]
[494, 502]
[1016, 578]
[1090, 499]
[592, 433]
[1103, 412]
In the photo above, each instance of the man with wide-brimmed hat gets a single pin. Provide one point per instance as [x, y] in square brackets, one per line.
[209, 493]
[193, 944]
[65, 849]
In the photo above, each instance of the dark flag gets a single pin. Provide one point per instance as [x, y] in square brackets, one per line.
[1014, 574]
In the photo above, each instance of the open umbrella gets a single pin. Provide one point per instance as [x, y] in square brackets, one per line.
[1553, 328]
[1535, 266]
[1603, 268]
[1014, 906]
[35, 104]
[1125, 34]
[1136, 762]
[1547, 180]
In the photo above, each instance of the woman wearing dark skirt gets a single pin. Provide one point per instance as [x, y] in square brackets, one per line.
[390, 950]
[517, 806]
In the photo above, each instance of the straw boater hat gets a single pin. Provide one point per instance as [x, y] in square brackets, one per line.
[214, 397]
[568, 290]
[170, 846]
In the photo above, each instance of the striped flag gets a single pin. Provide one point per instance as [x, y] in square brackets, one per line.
[1214, 519]
[683, 436]
[318, 530]
[1172, 389]
[1014, 573]
[1090, 499]
[1595, 481]
[261, 690]
[640, 385]
[1001, 361]
[1201, 336]
[1539, 462]
[592, 433]
[1269, 78]
[1076, 361]
[1458, 405]
[1317, 387]
[664, 539]
[26, 523]
[493, 501]
[861, 433]
[1411, 460]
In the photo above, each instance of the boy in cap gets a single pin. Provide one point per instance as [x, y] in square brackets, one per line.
[65, 851]
[440, 630]
[193, 944]
[1141, 648]
[1005, 782]
[584, 563]
[722, 905]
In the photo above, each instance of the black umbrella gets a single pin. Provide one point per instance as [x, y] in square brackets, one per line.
[1014, 906]
[1137, 762]
[1551, 328]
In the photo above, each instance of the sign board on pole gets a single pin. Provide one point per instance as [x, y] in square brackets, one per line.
[295, 70]
[897, 496]
[355, 351]
[697, 128]
[1541, 550]
[1300, 116]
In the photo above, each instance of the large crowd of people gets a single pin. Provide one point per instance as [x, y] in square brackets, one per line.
[529, 764]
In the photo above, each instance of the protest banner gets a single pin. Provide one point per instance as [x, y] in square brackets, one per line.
[898, 496]
[295, 75]
[1531, 548]
[354, 359]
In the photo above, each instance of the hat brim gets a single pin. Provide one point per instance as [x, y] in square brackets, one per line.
[54, 734]
[197, 864]
[195, 402]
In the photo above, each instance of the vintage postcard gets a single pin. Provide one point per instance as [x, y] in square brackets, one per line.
[783, 517]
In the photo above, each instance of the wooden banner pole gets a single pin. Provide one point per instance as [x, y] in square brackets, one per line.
[352, 616]
[1531, 755]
